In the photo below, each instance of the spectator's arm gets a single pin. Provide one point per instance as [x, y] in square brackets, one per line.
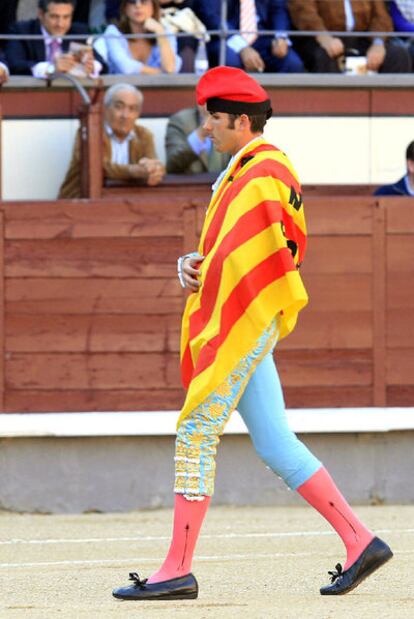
[305, 15]
[125, 172]
[279, 16]
[17, 55]
[4, 73]
[381, 20]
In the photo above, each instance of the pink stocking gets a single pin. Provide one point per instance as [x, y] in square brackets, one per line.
[188, 518]
[321, 492]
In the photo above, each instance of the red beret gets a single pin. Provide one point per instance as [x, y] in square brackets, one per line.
[226, 89]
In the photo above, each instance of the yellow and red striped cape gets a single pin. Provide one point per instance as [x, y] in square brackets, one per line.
[253, 238]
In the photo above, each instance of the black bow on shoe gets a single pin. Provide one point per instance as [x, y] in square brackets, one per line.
[337, 574]
[137, 581]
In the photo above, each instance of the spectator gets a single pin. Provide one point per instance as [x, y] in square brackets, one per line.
[405, 186]
[193, 10]
[402, 14]
[43, 57]
[250, 50]
[324, 53]
[153, 55]
[128, 148]
[189, 148]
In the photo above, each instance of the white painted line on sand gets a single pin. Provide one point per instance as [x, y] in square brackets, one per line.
[140, 560]
[160, 538]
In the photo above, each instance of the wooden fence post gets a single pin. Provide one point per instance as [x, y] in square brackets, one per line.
[379, 300]
[91, 150]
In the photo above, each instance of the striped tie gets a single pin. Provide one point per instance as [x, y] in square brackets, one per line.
[248, 22]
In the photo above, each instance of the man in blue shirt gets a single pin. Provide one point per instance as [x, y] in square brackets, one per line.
[405, 186]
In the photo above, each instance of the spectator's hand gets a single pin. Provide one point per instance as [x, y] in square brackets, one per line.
[152, 25]
[191, 272]
[252, 60]
[332, 45]
[375, 56]
[280, 47]
[155, 170]
[64, 63]
[4, 76]
[150, 70]
[88, 63]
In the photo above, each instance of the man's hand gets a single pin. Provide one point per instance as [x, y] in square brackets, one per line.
[4, 75]
[191, 272]
[252, 60]
[155, 170]
[64, 63]
[88, 63]
[332, 45]
[375, 56]
[280, 47]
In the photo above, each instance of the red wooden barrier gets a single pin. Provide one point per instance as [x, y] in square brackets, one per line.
[90, 304]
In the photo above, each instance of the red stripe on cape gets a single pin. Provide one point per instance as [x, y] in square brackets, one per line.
[277, 170]
[249, 287]
[249, 225]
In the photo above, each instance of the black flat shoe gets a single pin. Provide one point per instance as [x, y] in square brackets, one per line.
[182, 588]
[375, 554]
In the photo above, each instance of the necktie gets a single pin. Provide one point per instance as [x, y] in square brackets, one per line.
[54, 49]
[248, 22]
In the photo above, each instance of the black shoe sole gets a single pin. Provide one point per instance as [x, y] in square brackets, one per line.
[169, 596]
[363, 576]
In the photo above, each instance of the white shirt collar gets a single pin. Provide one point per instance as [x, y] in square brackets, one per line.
[49, 37]
[111, 134]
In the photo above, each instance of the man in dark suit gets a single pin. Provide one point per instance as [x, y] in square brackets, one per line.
[263, 53]
[405, 186]
[40, 57]
[189, 147]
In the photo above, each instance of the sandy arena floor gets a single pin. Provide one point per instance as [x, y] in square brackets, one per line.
[263, 563]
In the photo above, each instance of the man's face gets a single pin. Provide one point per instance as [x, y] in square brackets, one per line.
[57, 19]
[122, 113]
[224, 138]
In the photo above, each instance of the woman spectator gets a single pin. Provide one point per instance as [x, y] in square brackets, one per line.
[144, 55]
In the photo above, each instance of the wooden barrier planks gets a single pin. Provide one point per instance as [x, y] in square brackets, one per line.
[399, 332]
[92, 306]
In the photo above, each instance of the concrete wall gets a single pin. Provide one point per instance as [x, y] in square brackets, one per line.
[125, 473]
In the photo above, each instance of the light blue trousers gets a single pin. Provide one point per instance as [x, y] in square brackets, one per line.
[254, 388]
[262, 408]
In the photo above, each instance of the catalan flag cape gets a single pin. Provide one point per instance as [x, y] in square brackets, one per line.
[253, 240]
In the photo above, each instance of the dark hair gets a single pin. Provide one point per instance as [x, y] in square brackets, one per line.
[257, 122]
[409, 154]
[123, 23]
[43, 4]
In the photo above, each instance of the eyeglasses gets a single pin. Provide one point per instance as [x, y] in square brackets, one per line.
[138, 1]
